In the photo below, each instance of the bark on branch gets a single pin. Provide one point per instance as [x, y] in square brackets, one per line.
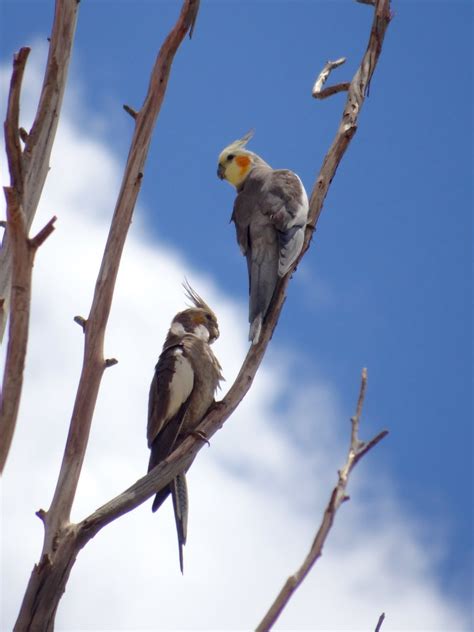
[357, 449]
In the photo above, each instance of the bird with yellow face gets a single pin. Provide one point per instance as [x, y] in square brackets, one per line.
[270, 214]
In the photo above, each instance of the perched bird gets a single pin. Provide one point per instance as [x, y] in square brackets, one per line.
[183, 386]
[270, 215]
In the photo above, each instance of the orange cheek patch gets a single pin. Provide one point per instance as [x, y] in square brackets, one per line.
[198, 319]
[243, 162]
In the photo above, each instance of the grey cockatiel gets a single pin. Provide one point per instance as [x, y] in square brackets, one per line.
[182, 390]
[270, 215]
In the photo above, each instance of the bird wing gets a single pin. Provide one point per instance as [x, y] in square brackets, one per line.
[241, 216]
[170, 389]
[285, 202]
[258, 241]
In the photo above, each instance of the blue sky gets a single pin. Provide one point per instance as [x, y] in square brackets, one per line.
[387, 282]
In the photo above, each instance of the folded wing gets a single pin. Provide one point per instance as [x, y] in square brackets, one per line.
[170, 390]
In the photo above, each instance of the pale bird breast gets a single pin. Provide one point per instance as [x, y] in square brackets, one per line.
[181, 383]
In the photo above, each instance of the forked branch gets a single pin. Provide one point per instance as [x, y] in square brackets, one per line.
[318, 92]
[357, 449]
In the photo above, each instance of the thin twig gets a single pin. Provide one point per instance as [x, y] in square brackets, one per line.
[318, 92]
[382, 616]
[133, 113]
[81, 321]
[43, 234]
[338, 496]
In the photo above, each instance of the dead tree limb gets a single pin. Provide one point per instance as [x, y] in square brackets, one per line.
[318, 92]
[357, 449]
[62, 540]
[23, 250]
[28, 170]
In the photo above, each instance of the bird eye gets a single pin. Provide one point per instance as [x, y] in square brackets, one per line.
[230, 157]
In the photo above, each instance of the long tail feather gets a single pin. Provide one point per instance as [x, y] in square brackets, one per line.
[179, 493]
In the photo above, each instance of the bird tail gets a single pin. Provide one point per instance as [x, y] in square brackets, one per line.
[263, 280]
[179, 493]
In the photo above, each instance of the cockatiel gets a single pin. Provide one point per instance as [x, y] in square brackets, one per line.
[270, 214]
[183, 386]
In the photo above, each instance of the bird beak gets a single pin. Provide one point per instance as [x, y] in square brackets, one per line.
[221, 171]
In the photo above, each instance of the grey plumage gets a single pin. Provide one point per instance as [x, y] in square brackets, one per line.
[183, 386]
[270, 214]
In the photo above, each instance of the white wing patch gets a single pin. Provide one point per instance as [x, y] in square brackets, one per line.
[177, 329]
[302, 213]
[292, 248]
[181, 385]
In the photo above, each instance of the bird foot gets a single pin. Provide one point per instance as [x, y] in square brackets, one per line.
[198, 434]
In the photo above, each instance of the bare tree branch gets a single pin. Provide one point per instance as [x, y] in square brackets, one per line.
[39, 239]
[29, 168]
[61, 541]
[357, 449]
[348, 126]
[382, 616]
[23, 250]
[318, 92]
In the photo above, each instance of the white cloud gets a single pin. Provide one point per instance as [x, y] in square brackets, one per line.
[256, 497]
